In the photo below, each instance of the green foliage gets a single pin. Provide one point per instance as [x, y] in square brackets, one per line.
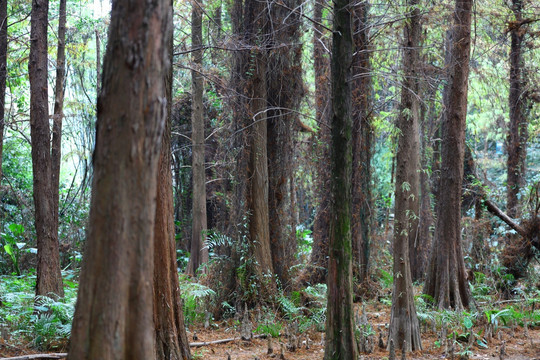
[310, 313]
[196, 299]
[304, 241]
[43, 321]
[14, 242]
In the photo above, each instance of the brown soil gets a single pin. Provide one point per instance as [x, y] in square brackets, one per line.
[518, 346]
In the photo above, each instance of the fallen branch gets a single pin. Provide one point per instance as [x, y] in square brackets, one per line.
[37, 356]
[222, 341]
[494, 209]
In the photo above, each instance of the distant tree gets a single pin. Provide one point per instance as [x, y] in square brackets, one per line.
[49, 278]
[113, 317]
[250, 210]
[362, 138]
[340, 329]
[56, 144]
[199, 251]
[285, 90]
[404, 325]
[446, 280]
[171, 339]
[3, 73]
[516, 141]
[318, 263]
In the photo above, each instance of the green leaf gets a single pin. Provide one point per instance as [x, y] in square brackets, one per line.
[9, 249]
[467, 322]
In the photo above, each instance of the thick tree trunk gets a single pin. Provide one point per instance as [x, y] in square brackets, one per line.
[340, 329]
[259, 229]
[56, 145]
[447, 280]
[116, 321]
[318, 264]
[199, 251]
[362, 138]
[419, 255]
[49, 278]
[250, 210]
[404, 327]
[285, 90]
[516, 141]
[171, 338]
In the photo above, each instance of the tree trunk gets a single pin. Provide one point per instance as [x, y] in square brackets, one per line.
[56, 145]
[171, 338]
[250, 210]
[404, 327]
[447, 281]
[114, 313]
[199, 251]
[419, 255]
[517, 129]
[318, 264]
[362, 138]
[49, 278]
[340, 329]
[285, 91]
[3, 75]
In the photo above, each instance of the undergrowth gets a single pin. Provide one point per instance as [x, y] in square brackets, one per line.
[42, 323]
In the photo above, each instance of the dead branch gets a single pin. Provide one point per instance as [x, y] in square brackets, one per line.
[37, 356]
[494, 209]
[221, 341]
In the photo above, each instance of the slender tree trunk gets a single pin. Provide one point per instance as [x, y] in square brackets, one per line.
[171, 338]
[318, 263]
[116, 321]
[98, 63]
[199, 251]
[517, 129]
[49, 278]
[447, 281]
[3, 75]
[362, 138]
[285, 91]
[56, 145]
[340, 329]
[404, 327]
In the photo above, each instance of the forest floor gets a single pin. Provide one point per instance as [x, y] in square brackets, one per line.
[518, 346]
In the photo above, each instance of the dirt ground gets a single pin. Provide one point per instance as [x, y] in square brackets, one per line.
[517, 345]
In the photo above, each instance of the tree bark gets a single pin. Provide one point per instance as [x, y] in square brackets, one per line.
[404, 327]
[3, 74]
[114, 313]
[318, 263]
[171, 338]
[285, 91]
[49, 278]
[340, 329]
[56, 144]
[250, 216]
[362, 138]
[516, 141]
[199, 251]
[447, 281]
